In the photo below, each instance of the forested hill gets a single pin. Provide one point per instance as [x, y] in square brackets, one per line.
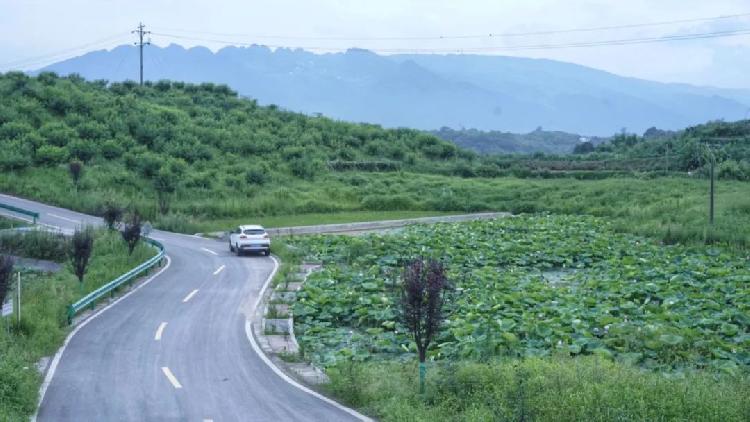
[496, 142]
[50, 120]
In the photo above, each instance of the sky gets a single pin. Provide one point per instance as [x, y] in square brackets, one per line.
[34, 33]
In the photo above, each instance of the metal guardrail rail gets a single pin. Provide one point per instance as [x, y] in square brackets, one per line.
[32, 214]
[91, 298]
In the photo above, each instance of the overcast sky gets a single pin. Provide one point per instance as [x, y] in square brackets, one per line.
[35, 33]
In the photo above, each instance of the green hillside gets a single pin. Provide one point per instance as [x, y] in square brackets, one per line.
[195, 158]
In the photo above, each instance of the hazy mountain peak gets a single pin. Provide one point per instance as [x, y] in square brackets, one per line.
[429, 91]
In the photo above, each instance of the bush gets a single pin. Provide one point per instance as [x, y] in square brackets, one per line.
[50, 154]
[35, 244]
[256, 175]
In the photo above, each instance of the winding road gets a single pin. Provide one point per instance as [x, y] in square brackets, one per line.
[176, 348]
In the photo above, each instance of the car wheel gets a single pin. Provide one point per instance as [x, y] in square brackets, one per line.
[267, 252]
[231, 248]
[238, 250]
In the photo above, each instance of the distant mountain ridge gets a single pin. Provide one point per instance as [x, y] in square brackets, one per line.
[429, 91]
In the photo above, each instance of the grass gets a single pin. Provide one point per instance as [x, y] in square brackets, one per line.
[11, 223]
[43, 325]
[671, 209]
[537, 389]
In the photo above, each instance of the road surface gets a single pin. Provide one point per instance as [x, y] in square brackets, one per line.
[176, 349]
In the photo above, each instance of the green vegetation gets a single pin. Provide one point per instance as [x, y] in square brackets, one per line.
[536, 389]
[496, 142]
[550, 318]
[43, 325]
[531, 286]
[35, 244]
[178, 149]
[688, 150]
[10, 223]
[195, 158]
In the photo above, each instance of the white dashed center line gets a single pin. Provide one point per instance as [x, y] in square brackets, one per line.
[209, 251]
[219, 270]
[160, 331]
[171, 377]
[70, 220]
[190, 296]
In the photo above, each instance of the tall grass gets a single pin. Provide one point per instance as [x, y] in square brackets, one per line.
[536, 389]
[9, 223]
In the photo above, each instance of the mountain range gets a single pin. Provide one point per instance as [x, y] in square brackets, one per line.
[428, 91]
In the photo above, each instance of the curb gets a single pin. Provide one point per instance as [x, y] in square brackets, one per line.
[249, 332]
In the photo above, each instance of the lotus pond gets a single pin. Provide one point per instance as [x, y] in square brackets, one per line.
[532, 286]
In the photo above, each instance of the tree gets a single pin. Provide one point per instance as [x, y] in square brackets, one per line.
[6, 273]
[422, 296]
[76, 172]
[131, 233]
[165, 184]
[112, 214]
[81, 247]
[583, 147]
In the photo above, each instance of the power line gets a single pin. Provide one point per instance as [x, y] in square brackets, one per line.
[466, 36]
[50, 56]
[551, 46]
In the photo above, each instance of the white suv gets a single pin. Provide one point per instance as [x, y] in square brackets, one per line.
[249, 238]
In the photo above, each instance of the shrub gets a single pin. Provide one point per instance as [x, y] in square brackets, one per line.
[50, 154]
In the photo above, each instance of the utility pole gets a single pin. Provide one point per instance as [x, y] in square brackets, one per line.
[140, 31]
[711, 206]
[712, 188]
[19, 298]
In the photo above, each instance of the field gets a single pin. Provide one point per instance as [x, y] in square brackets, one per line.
[534, 286]
[43, 325]
[570, 292]
[669, 208]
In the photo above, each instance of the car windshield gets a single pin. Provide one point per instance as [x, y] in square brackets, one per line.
[254, 231]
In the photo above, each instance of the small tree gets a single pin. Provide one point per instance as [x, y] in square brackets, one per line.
[112, 214]
[81, 247]
[422, 297]
[76, 172]
[6, 273]
[131, 233]
[165, 184]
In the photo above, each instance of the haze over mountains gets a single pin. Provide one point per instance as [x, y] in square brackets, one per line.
[429, 91]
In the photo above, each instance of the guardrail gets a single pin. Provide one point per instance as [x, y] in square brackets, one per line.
[32, 214]
[91, 298]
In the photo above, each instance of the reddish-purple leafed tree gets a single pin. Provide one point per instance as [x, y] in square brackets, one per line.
[422, 298]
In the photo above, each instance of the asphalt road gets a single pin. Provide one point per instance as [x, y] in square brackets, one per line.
[175, 349]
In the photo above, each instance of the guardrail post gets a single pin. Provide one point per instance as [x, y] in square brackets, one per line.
[71, 312]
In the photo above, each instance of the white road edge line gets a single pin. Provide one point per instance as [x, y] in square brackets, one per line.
[170, 376]
[209, 251]
[274, 368]
[160, 331]
[61, 350]
[219, 270]
[70, 220]
[190, 296]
